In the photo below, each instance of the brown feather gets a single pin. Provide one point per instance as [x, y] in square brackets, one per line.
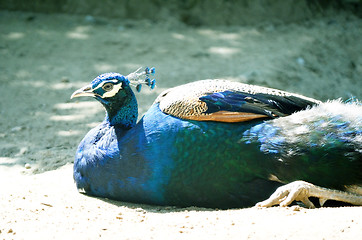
[224, 116]
[184, 101]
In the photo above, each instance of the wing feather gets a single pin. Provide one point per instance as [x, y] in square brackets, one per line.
[226, 101]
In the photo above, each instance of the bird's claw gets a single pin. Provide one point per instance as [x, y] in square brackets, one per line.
[301, 191]
[285, 195]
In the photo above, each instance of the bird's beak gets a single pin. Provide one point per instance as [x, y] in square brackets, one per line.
[85, 91]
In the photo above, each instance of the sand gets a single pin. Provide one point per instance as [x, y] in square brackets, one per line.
[44, 58]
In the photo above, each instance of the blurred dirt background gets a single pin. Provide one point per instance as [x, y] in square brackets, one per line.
[48, 49]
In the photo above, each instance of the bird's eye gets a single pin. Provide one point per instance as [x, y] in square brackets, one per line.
[107, 87]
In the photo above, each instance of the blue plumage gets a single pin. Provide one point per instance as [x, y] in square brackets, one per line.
[211, 144]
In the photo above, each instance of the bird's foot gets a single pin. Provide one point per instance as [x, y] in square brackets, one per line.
[285, 195]
[136, 80]
[301, 191]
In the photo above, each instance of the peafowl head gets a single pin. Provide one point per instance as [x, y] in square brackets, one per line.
[114, 92]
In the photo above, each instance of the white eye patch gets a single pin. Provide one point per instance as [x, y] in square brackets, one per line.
[113, 92]
[116, 87]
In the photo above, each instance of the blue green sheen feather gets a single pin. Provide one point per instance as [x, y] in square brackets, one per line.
[166, 160]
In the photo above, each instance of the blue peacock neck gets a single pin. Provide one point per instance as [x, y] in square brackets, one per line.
[122, 109]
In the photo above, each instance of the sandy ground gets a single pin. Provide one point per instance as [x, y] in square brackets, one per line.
[44, 58]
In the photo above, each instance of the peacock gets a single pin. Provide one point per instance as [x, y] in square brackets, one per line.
[219, 144]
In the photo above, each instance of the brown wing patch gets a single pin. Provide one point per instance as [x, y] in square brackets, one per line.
[184, 101]
[224, 116]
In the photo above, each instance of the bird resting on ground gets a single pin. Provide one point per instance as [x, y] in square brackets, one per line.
[220, 144]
